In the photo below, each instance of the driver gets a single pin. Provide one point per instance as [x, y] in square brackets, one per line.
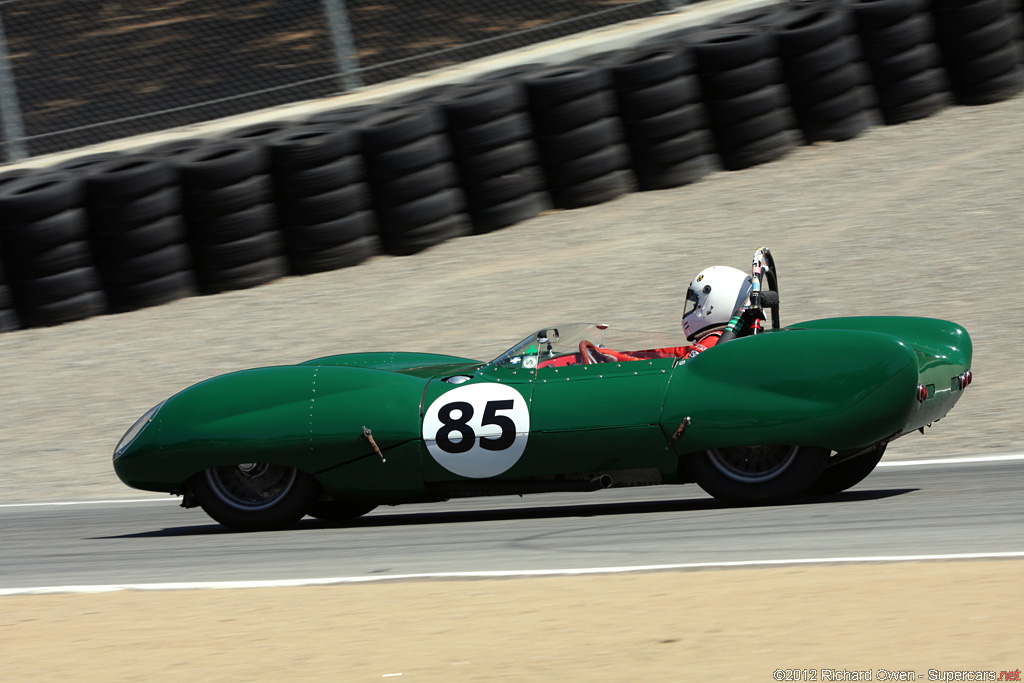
[714, 296]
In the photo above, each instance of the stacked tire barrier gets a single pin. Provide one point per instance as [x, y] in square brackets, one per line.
[492, 147]
[416, 196]
[906, 69]
[744, 96]
[115, 232]
[979, 49]
[227, 204]
[663, 122]
[578, 135]
[822, 69]
[44, 243]
[136, 232]
[322, 199]
[8, 316]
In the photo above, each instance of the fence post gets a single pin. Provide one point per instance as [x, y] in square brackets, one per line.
[344, 45]
[13, 132]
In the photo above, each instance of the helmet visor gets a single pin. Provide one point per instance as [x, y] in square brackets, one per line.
[691, 302]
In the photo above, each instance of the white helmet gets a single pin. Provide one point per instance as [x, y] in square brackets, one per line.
[714, 295]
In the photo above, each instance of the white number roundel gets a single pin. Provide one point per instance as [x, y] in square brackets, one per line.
[477, 430]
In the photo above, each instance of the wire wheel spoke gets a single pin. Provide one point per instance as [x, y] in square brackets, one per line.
[251, 486]
[753, 464]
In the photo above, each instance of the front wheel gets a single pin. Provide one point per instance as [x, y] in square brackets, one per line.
[254, 496]
[757, 475]
[847, 473]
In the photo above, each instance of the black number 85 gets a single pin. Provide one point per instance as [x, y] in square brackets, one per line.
[460, 425]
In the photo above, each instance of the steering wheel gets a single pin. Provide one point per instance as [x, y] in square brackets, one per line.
[589, 353]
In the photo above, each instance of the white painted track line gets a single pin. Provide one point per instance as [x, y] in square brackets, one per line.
[970, 460]
[292, 583]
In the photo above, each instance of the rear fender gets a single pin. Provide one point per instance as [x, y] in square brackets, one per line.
[840, 390]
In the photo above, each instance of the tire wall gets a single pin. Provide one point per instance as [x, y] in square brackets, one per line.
[120, 231]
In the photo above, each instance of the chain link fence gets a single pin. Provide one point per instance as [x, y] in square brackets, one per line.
[80, 72]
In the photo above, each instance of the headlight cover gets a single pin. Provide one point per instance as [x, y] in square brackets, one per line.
[136, 429]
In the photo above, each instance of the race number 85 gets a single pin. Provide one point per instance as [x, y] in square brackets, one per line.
[477, 430]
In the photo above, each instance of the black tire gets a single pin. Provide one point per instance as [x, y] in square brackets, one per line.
[721, 49]
[641, 67]
[221, 164]
[509, 213]
[753, 129]
[233, 226]
[242, 277]
[683, 173]
[399, 128]
[846, 474]
[339, 256]
[586, 168]
[141, 240]
[422, 211]
[809, 27]
[503, 188]
[734, 110]
[490, 134]
[918, 109]
[135, 212]
[39, 195]
[307, 182]
[126, 178]
[325, 207]
[255, 496]
[917, 87]
[836, 131]
[757, 475]
[496, 162]
[407, 188]
[338, 511]
[879, 44]
[674, 151]
[479, 103]
[223, 257]
[799, 69]
[995, 89]
[659, 98]
[310, 146]
[593, 191]
[574, 113]
[828, 85]
[156, 264]
[154, 292]
[720, 85]
[572, 144]
[561, 84]
[202, 204]
[399, 161]
[259, 133]
[414, 240]
[305, 238]
[875, 14]
[79, 307]
[671, 124]
[759, 152]
[51, 288]
[906, 64]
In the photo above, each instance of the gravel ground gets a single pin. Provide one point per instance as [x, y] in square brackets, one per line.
[919, 219]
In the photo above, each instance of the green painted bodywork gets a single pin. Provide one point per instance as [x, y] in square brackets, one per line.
[844, 384]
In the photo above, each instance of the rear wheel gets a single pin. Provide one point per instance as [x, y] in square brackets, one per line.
[847, 473]
[757, 475]
[255, 496]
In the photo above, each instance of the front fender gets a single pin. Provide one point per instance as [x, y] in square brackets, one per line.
[308, 417]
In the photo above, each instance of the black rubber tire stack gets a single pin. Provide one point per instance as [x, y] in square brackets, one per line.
[8, 315]
[45, 249]
[663, 124]
[323, 201]
[227, 202]
[896, 40]
[137, 233]
[746, 103]
[578, 135]
[492, 146]
[977, 40]
[823, 71]
[416, 198]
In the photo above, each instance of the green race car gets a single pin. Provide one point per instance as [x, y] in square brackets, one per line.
[758, 419]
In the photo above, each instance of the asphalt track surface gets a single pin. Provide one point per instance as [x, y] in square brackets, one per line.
[920, 510]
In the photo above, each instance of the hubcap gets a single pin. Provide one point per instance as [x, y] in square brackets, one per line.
[753, 464]
[251, 486]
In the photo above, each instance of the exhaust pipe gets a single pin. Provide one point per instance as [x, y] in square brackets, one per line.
[602, 481]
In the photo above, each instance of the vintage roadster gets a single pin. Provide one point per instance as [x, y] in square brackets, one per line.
[758, 419]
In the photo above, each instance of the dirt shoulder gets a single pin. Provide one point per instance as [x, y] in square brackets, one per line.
[734, 624]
